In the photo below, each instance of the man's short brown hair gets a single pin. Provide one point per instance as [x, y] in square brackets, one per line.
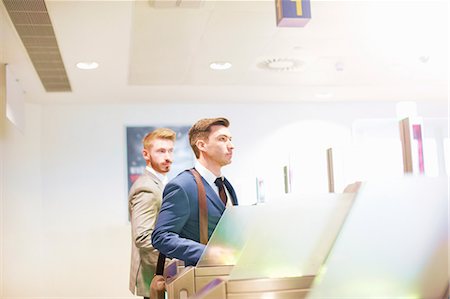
[201, 130]
[161, 133]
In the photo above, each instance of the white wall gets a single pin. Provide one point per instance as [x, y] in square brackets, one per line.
[22, 243]
[65, 232]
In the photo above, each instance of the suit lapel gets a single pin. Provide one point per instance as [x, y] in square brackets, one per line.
[231, 191]
[154, 178]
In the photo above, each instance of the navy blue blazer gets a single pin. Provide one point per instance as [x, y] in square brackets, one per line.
[177, 231]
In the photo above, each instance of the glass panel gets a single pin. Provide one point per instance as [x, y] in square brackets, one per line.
[228, 239]
[291, 238]
[394, 243]
[447, 155]
[435, 131]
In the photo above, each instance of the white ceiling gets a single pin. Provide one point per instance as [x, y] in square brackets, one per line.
[350, 50]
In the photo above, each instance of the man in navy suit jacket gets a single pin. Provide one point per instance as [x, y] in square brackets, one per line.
[177, 232]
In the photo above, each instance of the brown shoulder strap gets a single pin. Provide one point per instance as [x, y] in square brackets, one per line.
[202, 207]
[160, 264]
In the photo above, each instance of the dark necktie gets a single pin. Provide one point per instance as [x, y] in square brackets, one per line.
[222, 193]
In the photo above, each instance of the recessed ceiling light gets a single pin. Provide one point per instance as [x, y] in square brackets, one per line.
[220, 65]
[87, 65]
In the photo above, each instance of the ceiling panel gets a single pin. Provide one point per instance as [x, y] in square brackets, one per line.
[352, 50]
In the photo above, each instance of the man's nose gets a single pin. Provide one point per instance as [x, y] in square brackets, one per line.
[169, 156]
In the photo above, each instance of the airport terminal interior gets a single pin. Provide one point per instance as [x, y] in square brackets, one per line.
[339, 113]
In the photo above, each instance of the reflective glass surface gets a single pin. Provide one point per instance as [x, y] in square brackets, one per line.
[394, 243]
[228, 239]
[291, 237]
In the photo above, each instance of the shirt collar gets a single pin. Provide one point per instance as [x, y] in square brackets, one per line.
[205, 173]
[162, 177]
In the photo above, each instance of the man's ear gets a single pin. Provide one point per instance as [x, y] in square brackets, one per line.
[201, 145]
[146, 154]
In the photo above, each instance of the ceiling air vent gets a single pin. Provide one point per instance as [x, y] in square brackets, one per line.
[280, 64]
[33, 24]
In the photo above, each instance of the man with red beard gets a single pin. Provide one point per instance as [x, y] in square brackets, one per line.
[144, 204]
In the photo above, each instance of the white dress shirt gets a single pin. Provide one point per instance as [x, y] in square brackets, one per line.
[162, 177]
[210, 179]
[207, 175]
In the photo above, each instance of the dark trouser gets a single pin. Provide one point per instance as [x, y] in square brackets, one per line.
[146, 298]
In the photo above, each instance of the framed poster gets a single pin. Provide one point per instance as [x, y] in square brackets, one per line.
[183, 157]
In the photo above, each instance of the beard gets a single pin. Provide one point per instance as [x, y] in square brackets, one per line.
[162, 167]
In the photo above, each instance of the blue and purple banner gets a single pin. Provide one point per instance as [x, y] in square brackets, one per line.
[293, 13]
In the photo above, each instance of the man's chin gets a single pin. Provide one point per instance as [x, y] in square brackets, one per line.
[226, 162]
[164, 170]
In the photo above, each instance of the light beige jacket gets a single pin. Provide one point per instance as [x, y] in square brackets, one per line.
[144, 204]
